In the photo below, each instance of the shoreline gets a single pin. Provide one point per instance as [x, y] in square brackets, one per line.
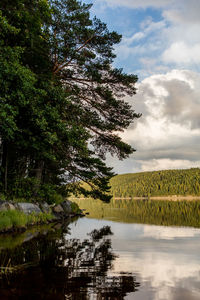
[172, 198]
[18, 217]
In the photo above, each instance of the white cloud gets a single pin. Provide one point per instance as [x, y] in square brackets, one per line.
[167, 164]
[185, 12]
[130, 46]
[138, 3]
[181, 53]
[137, 36]
[168, 134]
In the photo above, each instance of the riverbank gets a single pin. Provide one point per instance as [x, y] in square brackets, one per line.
[17, 217]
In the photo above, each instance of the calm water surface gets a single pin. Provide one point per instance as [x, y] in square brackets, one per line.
[102, 258]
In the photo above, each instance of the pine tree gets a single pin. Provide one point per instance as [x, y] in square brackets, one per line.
[66, 104]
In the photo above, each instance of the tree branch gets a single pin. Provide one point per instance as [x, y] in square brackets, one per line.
[59, 68]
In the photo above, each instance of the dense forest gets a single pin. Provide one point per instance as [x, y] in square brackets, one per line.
[157, 183]
[61, 100]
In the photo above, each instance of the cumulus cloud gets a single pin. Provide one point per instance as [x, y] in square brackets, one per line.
[172, 97]
[168, 134]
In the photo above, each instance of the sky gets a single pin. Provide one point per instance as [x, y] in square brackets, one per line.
[160, 44]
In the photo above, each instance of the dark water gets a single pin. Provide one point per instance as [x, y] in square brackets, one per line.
[96, 258]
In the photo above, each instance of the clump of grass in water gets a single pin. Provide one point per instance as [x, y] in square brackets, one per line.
[5, 270]
[15, 218]
[9, 269]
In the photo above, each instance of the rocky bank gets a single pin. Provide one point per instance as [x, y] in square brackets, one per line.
[59, 212]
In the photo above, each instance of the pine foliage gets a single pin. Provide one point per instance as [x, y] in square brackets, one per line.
[157, 183]
[61, 99]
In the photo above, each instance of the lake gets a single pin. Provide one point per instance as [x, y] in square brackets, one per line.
[122, 250]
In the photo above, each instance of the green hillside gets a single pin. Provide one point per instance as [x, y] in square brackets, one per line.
[157, 183]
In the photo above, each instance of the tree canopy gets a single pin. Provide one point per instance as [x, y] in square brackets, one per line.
[61, 102]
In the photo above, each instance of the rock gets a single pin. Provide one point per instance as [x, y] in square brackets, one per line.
[45, 207]
[58, 209]
[28, 208]
[66, 205]
[11, 206]
[4, 205]
[58, 212]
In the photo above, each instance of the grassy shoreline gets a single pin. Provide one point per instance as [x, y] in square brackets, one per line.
[17, 217]
[14, 220]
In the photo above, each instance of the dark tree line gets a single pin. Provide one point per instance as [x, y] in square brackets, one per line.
[61, 101]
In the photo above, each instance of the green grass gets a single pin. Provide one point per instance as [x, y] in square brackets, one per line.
[17, 219]
[75, 208]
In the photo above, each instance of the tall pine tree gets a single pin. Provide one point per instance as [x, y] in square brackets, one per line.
[62, 100]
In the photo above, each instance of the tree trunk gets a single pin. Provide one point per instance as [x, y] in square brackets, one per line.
[4, 166]
[38, 175]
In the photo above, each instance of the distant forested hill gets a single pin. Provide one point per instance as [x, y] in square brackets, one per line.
[157, 183]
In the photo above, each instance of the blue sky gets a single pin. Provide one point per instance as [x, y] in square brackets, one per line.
[161, 44]
[131, 23]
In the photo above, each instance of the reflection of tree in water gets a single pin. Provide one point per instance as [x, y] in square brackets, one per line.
[66, 269]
